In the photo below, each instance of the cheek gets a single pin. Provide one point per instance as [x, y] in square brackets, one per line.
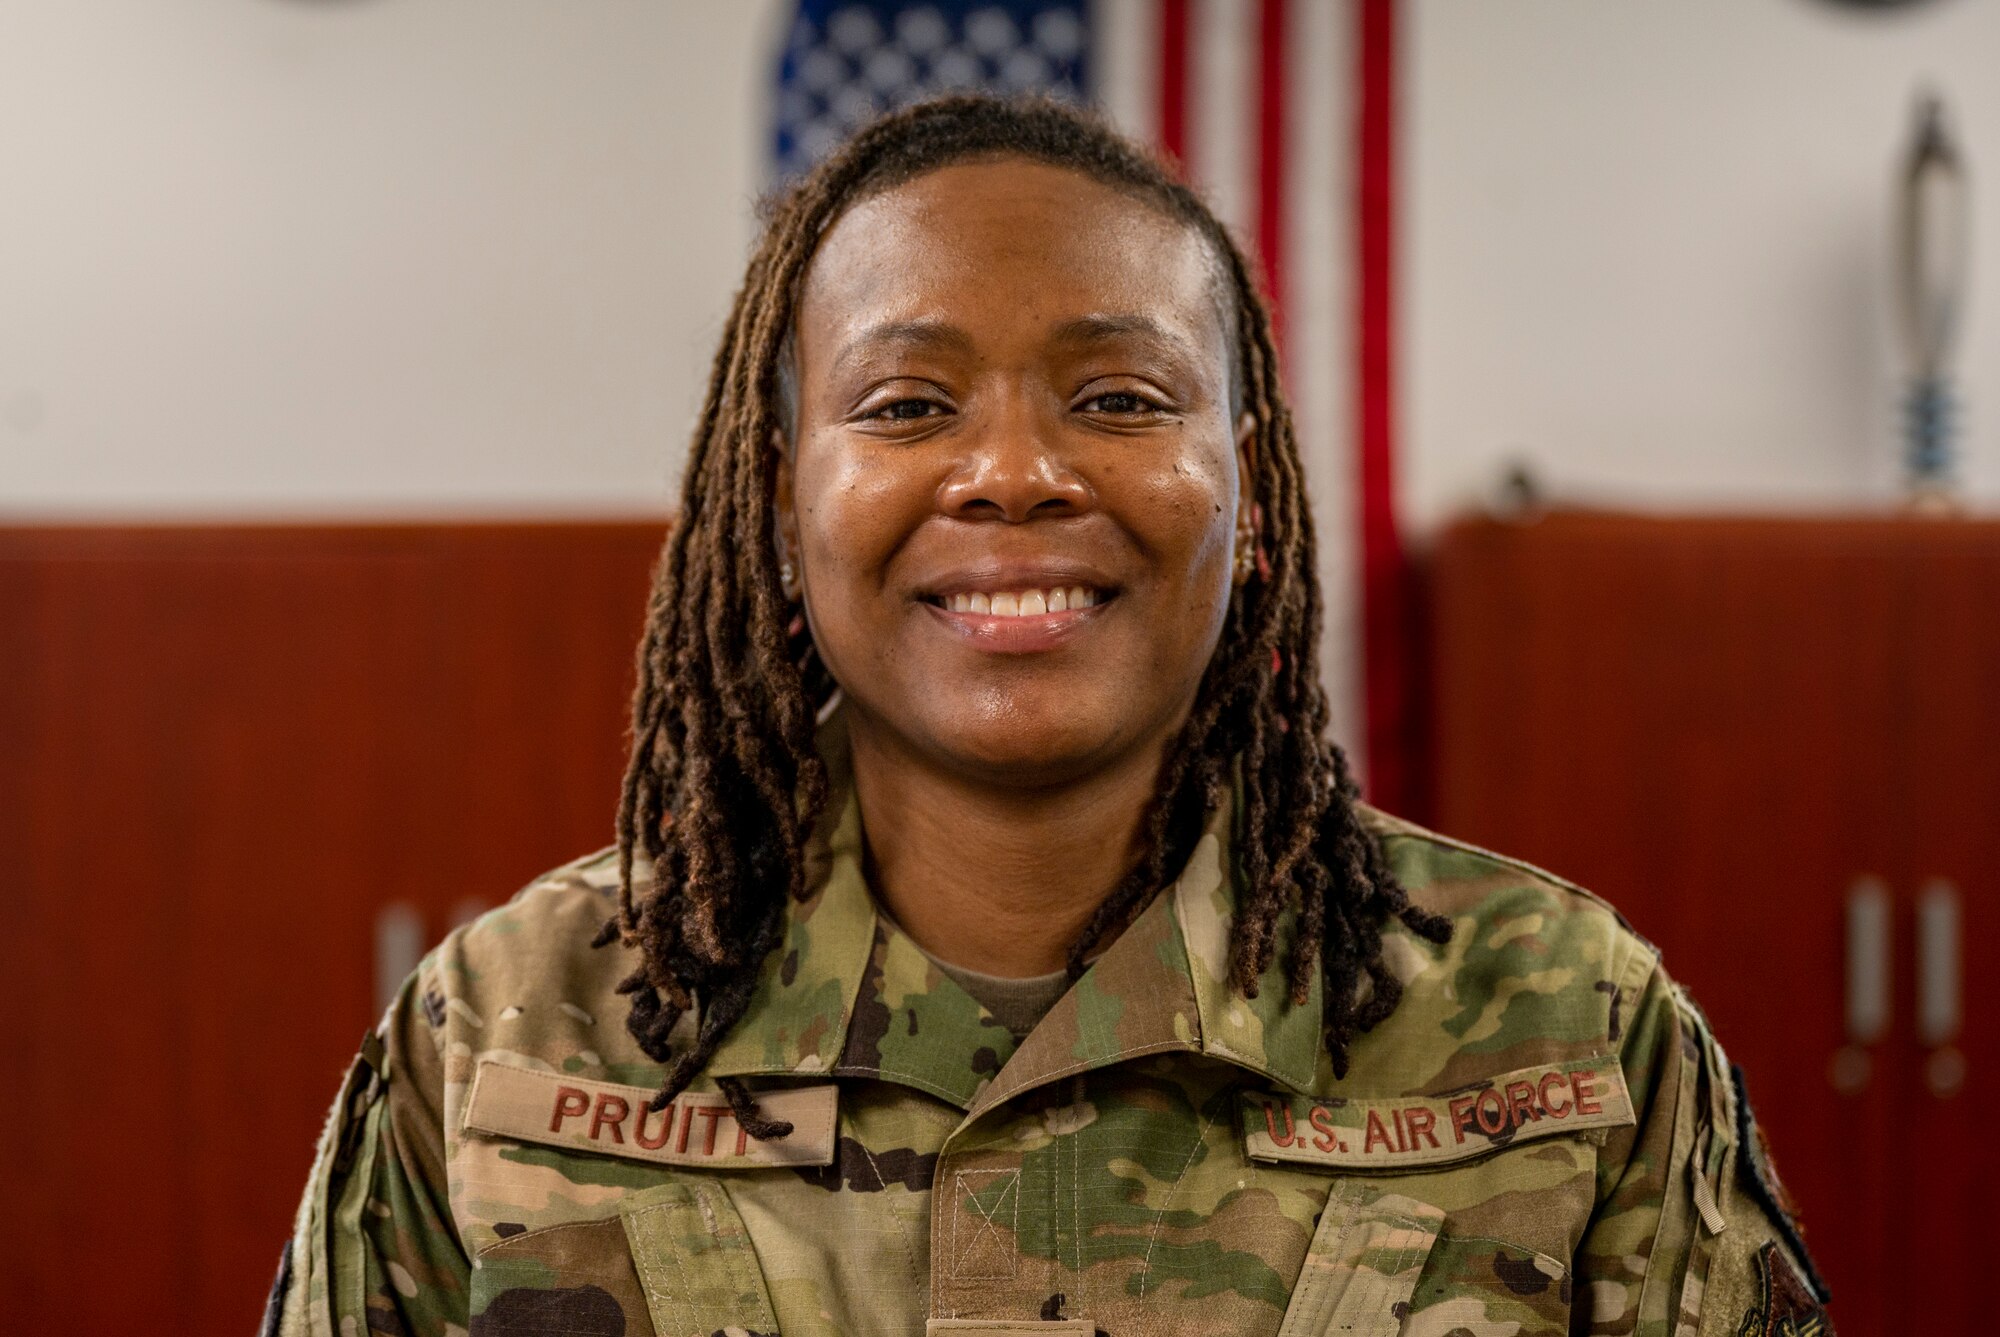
[851, 517]
[1195, 537]
[855, 510]
[1191, 523]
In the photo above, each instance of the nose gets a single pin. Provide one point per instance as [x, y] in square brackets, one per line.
[1014, 471]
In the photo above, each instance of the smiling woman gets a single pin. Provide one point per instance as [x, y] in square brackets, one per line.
[1019, 526]
[1002, 945]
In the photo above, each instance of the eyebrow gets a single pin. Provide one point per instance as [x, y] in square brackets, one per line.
[942, 336]
[915, 335]
[1096, 328]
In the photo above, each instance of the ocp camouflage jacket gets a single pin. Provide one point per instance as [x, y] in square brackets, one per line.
[1543, 1138]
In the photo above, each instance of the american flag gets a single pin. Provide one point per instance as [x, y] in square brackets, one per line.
[1280, 112]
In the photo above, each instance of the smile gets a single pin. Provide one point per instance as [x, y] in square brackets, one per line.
[1022, 603]
[1019, 613]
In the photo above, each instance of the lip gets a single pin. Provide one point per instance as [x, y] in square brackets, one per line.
[1019, 635]
[996, 577]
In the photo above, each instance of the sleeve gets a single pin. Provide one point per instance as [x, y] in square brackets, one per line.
[373, 1247]
[1692, 1235]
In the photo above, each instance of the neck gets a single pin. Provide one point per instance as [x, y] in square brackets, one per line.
[995, 879]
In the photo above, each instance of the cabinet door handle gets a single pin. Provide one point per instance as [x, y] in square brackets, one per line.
[1938, 1000]
[399, 945]
[1867, 984]
[1867, 961]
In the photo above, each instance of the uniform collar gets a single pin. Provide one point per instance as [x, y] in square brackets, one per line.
[849, 993]
[1163, 987]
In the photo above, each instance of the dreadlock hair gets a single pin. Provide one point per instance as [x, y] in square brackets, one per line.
[725, 783]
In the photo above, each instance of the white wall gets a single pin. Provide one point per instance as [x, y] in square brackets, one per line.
[1647, 246]
[350, 256]
[471, 256]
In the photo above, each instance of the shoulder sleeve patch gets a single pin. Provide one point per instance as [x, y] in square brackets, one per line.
[1785, 1304]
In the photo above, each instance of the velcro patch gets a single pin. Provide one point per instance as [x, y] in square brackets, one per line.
[1785, 1305]
[558, 1110]
[1424, 1130]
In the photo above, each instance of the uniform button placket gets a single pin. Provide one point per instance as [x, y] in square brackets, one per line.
[977, 1269]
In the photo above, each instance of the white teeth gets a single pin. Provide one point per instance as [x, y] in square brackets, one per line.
[1024, 603]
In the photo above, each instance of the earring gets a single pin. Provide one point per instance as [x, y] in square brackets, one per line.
[1246, 552]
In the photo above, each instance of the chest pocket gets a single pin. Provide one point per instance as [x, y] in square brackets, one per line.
[1384, 1262]
[1451, 1212]
[696, 1265]
[675, 1261]
[1474, 1246]
[575, 1278]
[1363, 1264]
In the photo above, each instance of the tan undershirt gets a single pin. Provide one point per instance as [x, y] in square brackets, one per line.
[1017, 1004]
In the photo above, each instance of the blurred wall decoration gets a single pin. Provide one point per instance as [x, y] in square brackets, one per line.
[1931, 256]
[1650, 248]
[347, 354]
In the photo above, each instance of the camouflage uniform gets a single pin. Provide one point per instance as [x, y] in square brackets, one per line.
[1543, 1138]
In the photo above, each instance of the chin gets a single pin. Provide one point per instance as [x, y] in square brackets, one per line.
[1032, 743]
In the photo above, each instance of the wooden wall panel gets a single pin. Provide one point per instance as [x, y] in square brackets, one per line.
[1948, 709]
[1721, 724]
[222, 751]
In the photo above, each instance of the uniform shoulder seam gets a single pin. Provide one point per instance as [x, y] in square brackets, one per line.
[1387, 827]
[576, 876]
[577, 872]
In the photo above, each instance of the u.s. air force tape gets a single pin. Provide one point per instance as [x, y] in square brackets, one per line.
[1423, 1130]
[697, 1128]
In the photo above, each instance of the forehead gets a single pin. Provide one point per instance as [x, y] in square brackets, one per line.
[1006, 246]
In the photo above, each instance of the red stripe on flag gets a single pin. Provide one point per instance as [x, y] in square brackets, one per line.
[1271, 157]
[1385, 606]
[1174, 22]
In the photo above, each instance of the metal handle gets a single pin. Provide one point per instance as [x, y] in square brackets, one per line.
[399, 945]
[1867, 961]
[1938, 986]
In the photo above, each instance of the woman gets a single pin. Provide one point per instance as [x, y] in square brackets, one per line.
[993, 941]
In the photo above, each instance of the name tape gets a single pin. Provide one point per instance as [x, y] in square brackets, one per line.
[558, 1110]
[1422, 1130]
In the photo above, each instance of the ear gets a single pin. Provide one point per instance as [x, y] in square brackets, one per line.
[784, 520]
[1246, 473]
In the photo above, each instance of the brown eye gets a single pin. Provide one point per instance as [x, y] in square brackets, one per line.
[907, 410]
[1121, 402]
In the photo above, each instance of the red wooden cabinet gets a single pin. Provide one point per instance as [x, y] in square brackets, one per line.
[222, 752]
[226, 749]
[1728, 727]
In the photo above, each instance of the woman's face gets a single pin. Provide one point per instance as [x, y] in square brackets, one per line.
[1015, 483]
